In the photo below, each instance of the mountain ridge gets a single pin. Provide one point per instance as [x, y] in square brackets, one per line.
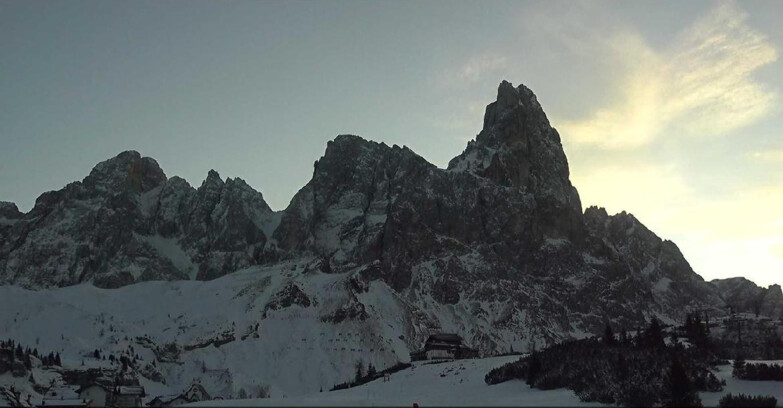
[501, 224]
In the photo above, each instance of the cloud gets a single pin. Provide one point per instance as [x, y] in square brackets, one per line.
[701, 85]
[462, 89]
[768, 156]
[474, 69]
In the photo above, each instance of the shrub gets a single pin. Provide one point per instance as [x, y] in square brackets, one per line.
[742, 400]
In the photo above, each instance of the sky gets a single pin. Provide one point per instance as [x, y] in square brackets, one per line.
[669, 110]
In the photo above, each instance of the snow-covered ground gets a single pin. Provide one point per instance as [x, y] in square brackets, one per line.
[461, 383]
[735, 386]
[227, 335]
[457, 383]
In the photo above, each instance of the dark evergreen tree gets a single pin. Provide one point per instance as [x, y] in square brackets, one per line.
[609, 336]
[359, 371]
[679, 390]
[533, 369]
[738, 368]
[653, 335]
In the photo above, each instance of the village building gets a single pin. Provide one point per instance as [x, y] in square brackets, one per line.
[95, 395]
[444, 346]
[171, 400]
[197, 392]
[194, 393]
[66, 396]
[128, 396]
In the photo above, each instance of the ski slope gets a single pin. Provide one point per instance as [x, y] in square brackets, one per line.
[456, 383]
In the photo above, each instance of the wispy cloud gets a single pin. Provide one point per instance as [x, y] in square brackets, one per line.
[474, 69]
[701, 85]
[463, 87]
[768, 155]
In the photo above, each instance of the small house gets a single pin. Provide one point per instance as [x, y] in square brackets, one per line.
[196, 392]
[171, 400]
[64, 396]
[128, 395]
[447, 346]
[94, 394]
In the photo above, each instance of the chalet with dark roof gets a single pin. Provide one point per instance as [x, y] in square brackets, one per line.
[446, 346]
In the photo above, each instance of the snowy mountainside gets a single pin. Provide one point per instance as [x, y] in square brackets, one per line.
[243, 330]
[289, 327]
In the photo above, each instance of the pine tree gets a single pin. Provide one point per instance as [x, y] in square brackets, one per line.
[653, 335]
[609, 339]
[738, 368]
[679, 390]
[359, 371]
[533, 369]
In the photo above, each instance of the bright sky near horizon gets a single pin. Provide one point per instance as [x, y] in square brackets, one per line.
[669, 110]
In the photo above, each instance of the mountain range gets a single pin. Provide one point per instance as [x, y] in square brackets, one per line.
[495, 247]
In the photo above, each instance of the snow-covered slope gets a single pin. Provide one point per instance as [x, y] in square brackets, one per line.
[461, 383]
[278, 327]
[458, 383]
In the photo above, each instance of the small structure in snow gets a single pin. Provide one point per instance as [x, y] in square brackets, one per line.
[65, 396]
[128, 395]
[448, 346]
[196, 392]
[95, 395]
[171, 400]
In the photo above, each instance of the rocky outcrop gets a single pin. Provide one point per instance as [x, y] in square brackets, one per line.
[126, 222]
[742, 295]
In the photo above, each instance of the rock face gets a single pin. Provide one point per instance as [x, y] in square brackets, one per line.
[495, 247]
[126, 222]
[743, 295]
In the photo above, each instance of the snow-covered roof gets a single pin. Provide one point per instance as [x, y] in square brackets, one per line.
[63, 393]
[166, 398]
[64, 402]
[90, 385]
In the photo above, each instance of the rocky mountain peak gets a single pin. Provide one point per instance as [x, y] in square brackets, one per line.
[213, 177]
[517, 147]
[128, 171]
[9, 210]
[509, 100]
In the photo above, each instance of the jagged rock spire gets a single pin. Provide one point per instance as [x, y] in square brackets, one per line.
[518, 148]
